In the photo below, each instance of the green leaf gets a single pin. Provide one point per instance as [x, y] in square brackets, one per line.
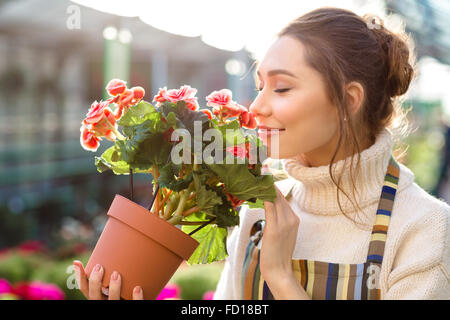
[168, 180]
[111, 159]
[185, 116]
[146, 145]
[232, 133]
[137, 114]
[206, 199]
[241, 183]
[226, 216]
[212, 241]
[258, 204]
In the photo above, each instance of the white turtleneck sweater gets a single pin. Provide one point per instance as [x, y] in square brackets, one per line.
[416, 262]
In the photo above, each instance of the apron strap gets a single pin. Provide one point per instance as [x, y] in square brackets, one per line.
[379, 231]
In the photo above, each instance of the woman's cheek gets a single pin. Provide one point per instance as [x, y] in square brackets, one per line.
[304, 128]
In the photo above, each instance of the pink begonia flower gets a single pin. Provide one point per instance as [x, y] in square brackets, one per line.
[170, 291]
[102, 128]
[5, 286]
[88, 139]
[123, 97]
[138, 93]
[219, 98]
[247, 120]
[185, 93]
[116, 87]
[223, 105]
[207, 112]
[95, 113]
[98, 123]
[100, 119]
[208, 295]
[37, 290]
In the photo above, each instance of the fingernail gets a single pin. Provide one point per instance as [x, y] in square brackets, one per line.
[115, 275]
[77, 270]
[97, 267]
[137, 290]
[77, 274]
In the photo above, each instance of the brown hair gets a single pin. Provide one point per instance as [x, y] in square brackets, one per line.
[345, 47]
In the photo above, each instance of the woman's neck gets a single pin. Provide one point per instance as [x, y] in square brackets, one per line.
[323, 155]
[316, 192]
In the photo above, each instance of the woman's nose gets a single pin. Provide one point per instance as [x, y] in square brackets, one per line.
[259, 108]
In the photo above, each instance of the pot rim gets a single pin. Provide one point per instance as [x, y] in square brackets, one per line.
[153, 226]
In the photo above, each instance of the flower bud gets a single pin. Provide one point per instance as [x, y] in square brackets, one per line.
[116, 87]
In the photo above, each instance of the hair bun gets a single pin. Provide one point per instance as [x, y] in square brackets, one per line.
[399, 71]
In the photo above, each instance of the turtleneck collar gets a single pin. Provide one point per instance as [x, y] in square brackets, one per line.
[315, 192]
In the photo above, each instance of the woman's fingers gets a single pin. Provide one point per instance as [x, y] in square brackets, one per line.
[273, 210]
[92, 288]
[138, 294]
[95, 283]
[82, 280]
[270, 212]
[114, 286]
[279, 202]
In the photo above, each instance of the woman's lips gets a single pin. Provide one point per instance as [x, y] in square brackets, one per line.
[264, 132]
[269, 128]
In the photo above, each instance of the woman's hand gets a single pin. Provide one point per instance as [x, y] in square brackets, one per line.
[278, 243]
[92, 288]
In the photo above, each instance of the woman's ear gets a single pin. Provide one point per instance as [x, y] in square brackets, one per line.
[355, 96]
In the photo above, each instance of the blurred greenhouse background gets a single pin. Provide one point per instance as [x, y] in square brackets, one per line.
[55, 59]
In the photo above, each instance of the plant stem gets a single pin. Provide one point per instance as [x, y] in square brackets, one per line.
[157, 201]
[155, 174]
[190, 211]
[183, 199]
[175, 219]
[192, 196]
[131, 183]
[167, 210]
[184, 196]
[166, 197]
[114, 130]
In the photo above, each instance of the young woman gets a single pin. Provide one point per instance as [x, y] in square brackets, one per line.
[350, 223]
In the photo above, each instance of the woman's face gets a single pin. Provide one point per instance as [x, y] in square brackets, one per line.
[292, 98]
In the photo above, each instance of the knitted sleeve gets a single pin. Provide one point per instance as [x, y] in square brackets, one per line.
[422, 260]
[430, 284]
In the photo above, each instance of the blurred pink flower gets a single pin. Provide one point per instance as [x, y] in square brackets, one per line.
[170, 291]
[37, 290]
[31, 246]
[5, 286]
[208, 295]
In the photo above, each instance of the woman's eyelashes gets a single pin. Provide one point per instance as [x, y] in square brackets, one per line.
[277, 90]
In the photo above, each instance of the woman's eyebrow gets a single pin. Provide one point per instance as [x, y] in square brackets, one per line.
[278, 71]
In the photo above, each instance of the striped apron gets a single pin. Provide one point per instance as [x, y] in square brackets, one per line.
[322, 280]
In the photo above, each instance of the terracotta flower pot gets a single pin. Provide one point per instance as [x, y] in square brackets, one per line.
[145, 249]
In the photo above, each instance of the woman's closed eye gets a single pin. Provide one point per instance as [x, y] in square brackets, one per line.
[277, 90]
